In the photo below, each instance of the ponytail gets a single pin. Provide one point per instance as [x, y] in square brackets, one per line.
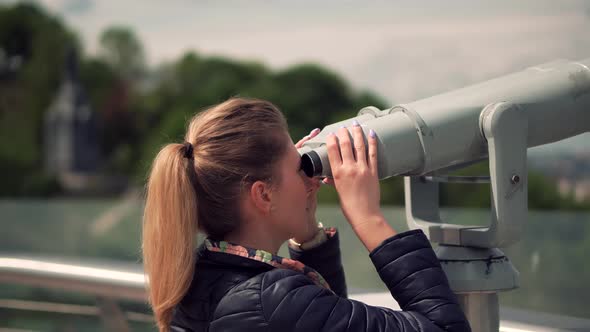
[237, 141]
[169, 227]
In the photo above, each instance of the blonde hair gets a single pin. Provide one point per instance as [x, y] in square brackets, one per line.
[234, 144]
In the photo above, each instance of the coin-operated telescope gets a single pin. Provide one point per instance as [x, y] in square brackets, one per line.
[498, 119]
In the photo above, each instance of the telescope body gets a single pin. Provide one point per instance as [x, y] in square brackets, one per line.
[498, 119]
[446, 131]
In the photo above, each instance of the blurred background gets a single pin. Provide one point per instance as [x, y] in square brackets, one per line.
[90, 90]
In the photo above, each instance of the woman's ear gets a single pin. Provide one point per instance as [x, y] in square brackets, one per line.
[261, 196]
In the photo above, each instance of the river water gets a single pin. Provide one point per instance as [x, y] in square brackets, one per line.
[553, 256]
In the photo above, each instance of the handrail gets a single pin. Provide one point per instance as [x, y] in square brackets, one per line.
[113, 280]
[88, 276]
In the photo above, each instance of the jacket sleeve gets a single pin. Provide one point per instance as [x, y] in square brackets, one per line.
[327, 260]
[290, 301]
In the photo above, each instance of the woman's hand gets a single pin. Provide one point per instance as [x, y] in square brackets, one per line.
[312, 200]
[356, 179]
[311, 135]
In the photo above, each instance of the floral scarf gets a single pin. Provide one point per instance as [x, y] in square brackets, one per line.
[270, 259]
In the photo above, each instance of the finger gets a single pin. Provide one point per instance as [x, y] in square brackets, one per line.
[373, 151]
[328, 181]
[314, 133]
[333, 151]
[345, 145]
[300, 142]
[359, 143]
[311, 135]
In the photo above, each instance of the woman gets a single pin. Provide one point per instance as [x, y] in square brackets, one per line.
[238, 180]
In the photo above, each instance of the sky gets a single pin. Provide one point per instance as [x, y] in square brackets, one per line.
[402, 50]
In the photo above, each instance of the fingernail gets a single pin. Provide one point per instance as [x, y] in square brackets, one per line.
[342, 127]
[313, 132]
[331, 133]
[372, 133]
[355, 123]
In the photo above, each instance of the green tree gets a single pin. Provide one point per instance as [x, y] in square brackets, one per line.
[120, 47]
[310, 96]
[542, 192]
[40, 42]
[112, 99]
[136, 122]
[113, 80]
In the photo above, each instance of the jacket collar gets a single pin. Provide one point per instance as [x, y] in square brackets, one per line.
[248, 257]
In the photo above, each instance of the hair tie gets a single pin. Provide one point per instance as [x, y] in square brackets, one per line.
[188, 150]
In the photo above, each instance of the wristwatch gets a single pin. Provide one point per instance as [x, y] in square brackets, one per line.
[319, 238]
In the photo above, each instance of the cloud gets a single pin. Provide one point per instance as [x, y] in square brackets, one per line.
[67, 7]
[434, 58]
[75, 7]
[402, 50]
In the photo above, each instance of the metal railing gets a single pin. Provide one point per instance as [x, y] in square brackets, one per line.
[110, 281]
[106, 281]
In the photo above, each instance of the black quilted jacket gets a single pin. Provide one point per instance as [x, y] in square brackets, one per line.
[233, 293]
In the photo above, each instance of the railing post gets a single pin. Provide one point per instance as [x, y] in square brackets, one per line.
[112, 317]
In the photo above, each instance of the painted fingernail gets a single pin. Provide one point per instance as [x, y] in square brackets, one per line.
[372, 133]
[342, 127]
[313, 132]
[355, 123]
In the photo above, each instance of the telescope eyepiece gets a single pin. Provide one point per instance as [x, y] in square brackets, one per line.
[311, 164]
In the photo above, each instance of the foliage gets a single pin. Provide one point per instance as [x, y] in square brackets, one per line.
[140, 109]
[40, 43]
[542, 193]
[121, 49]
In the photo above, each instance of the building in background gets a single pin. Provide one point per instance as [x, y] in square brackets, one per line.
[71, 144]
[71, 137]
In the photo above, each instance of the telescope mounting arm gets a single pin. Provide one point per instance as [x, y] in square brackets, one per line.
[505, 127]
